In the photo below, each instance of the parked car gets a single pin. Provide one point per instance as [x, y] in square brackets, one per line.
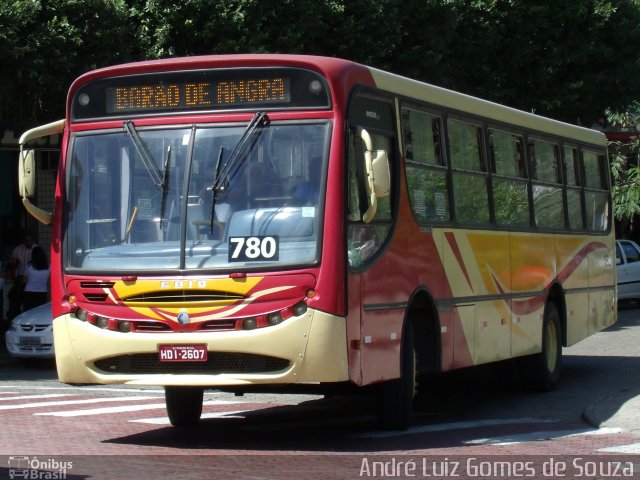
[31, 334]
[628, 269]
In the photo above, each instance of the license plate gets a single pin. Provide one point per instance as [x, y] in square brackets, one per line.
[182, 353]
[29, 341]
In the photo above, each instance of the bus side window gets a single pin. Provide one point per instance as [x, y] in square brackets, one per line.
[573, 187]
[510, 186]
[425, 168]
[596, 196]
[470, 185]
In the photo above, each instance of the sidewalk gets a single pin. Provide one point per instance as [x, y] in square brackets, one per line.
[602, 413]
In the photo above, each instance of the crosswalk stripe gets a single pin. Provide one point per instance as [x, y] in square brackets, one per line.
[440, 427]
[528, 437]
[632, 448]
[165, 420]
[76, 402]
[120, 409]
[30, 397]
[102, 411]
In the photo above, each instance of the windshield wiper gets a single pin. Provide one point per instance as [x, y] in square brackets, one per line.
[165, 185]
[141, 148]
[216, 174]
[259, 120]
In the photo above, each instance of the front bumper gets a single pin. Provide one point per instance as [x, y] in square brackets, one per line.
[311, 348]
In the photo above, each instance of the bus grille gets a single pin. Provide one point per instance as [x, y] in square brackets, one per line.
[217, 363]
[182, 296]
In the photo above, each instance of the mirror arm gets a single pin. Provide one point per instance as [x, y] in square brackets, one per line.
[41, 215]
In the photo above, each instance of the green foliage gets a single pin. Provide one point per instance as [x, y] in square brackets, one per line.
[568, 59]
[47, 43]
[625, 169]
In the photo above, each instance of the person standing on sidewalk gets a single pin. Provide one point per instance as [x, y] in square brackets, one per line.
[37, 279]
[19, 260]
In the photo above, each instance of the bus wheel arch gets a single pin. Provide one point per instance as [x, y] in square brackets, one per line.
[541, 371]
[423, 315]
[420, 353]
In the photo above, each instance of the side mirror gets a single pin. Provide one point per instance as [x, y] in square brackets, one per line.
[27, 168]
[378, 181]
[27, 173]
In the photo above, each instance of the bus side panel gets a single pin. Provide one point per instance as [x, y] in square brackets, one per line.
[602, 305]
[573, 273]
[533, 267]
[477, 265]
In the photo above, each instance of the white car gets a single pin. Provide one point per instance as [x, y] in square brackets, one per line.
[31, 334]
[628, 269]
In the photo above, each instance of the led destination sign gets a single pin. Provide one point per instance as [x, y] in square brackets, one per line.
[261, 91]
[202, 90]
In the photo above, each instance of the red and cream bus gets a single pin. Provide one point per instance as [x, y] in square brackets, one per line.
[252, 222]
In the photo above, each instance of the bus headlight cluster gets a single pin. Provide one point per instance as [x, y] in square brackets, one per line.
[273, 318]
[249, 323]
[99, 321]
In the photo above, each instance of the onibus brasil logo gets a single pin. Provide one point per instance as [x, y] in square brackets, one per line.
[22, 467]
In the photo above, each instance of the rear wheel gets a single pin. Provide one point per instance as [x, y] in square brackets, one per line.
[542, 370]
[184, 405]
[396, 406]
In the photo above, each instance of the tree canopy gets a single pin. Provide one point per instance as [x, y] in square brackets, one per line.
[567, 59]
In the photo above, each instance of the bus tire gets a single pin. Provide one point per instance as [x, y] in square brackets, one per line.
[184, 405]
[542, 370]
[396, 405]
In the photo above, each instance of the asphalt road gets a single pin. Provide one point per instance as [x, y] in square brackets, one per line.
[115, 432]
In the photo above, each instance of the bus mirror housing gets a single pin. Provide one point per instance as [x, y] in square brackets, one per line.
[27, 173]
[27, 168]
[378, 181]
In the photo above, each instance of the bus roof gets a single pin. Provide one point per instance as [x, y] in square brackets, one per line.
[335, 68]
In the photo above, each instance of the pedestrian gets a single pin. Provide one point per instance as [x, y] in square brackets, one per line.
[19, 260]
[37, 279]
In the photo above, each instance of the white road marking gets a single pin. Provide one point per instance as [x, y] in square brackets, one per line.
[440, 427]
[632, 448]
[89, 388]
[44, 395]
[165, 420]
[120, 409]
[75, 402]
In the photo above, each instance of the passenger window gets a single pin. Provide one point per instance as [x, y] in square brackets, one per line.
[544, 161]
[510, 187]
[507, 154]
[596, 195]
[574, 191]
[548, 203]
[470, 186]
[425, 166]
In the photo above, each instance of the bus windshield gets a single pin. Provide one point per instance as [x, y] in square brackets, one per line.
[228, 197]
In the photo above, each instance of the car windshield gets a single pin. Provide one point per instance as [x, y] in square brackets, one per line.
[228, 197]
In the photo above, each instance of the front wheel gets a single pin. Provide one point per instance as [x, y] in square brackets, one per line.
[184, 405]
[396, 406]
[542, 370]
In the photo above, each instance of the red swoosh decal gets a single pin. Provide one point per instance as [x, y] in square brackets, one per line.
[526, 307]
[456, 251]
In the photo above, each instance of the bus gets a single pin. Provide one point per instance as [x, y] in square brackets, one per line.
[256, 223]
